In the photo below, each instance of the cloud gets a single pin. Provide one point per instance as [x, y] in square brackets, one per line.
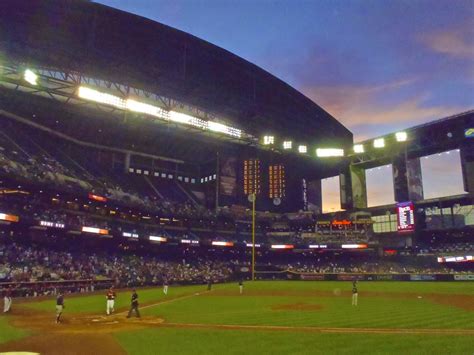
[454, 43]
[340, 99]
[367, 112]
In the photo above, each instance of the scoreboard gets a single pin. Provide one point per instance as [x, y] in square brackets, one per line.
[405, 217]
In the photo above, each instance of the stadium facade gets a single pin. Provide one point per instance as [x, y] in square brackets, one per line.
[112, 103]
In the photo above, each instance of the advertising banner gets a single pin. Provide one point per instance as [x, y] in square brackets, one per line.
[422, 277]
[469, 277]
[228, 176]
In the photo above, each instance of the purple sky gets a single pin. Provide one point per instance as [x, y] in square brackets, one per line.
[377, 66]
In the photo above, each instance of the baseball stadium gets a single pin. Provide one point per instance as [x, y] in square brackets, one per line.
[161, 195]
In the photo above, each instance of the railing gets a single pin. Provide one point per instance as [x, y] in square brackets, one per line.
[44, 288]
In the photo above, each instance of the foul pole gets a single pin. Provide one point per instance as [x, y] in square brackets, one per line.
[253, 236]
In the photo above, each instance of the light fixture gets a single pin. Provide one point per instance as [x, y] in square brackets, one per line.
[141, 107]
[401, 136]
[101, 97]
[267, 140]
[329, 152]
[31, 77]
[379, 143]
[359, 148]
[287, 144]
[302, 149]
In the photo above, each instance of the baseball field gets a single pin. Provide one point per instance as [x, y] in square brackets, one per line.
[278, 317]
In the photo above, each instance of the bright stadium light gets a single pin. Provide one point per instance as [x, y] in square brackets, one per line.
[267, 140]
[379, 143]
[329, 152]
[401, 136]
[222, 128]
[101, 97]
[302, 149]
[359, 148]
[31, 77]
[188, 119]
[155, 238]
[287, 144]
[151, 110]
[141, 107]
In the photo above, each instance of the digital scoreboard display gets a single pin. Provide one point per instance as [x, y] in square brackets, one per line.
[405, 217]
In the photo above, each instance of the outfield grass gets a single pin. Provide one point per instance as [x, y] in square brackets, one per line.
[261, 306]
[372, 312]
[198, 341]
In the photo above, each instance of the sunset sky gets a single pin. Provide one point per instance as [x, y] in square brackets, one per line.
[377, 66]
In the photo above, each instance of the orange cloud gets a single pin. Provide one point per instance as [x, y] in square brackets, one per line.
[359, 106]
[454, 43]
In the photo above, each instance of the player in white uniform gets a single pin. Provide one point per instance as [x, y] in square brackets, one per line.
[110, 301]
[7, 301]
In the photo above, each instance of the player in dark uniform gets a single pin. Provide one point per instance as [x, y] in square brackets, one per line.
[241, 286]
[134, 305]
[59, 306]
[209, 284]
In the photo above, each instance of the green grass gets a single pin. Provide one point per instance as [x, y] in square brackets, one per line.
[372, 312]
[225, 306]
[199, 341]
[8, 333]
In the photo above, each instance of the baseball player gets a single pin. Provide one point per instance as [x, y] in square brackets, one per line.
[354, 293]
[59, 306]
[110, 300]
[7, 301]
[165, 286]
[134, 305]
[241, 286]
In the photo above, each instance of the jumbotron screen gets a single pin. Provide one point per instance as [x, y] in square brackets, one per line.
[442, 174]
[379, 183]
[331, 195]
[405, 217]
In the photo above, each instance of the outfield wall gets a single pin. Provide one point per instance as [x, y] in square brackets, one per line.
[290, 275]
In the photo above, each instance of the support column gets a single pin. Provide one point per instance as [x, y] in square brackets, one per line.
[359, 187]
[400, 180]
[345, 188]
[467, 166]
[127, 162]
[415, 180]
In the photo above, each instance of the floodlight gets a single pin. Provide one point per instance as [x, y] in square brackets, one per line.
[222, 128]
[358, 148]
[329, 152]
[379, 143]
[401, 136]
[151, 110]
[31, 77]
[181, 117]
[267, 140]
[302, 149]
[155, 238]
[101, 97]
[287, 144]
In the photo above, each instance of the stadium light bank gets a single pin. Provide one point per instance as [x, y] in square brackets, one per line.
[155, 111]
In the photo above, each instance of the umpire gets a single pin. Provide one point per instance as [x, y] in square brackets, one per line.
[134, 305]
